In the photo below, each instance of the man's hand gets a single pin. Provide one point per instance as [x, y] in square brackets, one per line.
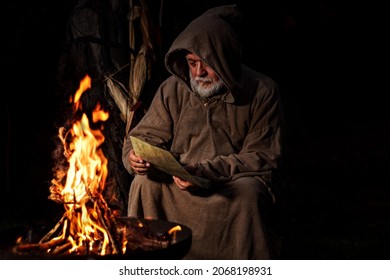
[138, 165]
[185, 185]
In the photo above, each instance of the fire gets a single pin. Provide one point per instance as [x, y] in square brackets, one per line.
[88, 226]
[85, 180]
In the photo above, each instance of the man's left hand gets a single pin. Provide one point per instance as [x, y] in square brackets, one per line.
[184, 185]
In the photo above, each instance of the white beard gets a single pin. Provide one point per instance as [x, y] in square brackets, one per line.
[205, 90]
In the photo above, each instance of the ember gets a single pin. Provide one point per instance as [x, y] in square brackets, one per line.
[88, 226]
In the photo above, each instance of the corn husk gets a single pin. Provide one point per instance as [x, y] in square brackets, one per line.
[139, 74]
[120, 96]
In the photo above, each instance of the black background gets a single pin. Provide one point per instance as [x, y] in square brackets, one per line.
[327, 59]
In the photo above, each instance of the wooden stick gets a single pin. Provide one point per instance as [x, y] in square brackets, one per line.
[61, 249]
[102, 221]
[53, 230]
[39, 246]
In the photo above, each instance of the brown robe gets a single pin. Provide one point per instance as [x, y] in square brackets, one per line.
[235, 138]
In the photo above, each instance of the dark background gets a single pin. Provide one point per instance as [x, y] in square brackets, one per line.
[327, 59]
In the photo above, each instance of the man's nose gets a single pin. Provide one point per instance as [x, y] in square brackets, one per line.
[200, 69]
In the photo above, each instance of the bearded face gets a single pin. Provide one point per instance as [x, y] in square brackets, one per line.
[205, 86]
[204, 81]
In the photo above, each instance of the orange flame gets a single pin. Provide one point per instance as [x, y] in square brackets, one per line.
[85, 180]
[84, 85]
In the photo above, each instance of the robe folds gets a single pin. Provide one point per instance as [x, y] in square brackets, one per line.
[228, 223]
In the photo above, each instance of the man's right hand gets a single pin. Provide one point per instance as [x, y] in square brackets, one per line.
[139, 166]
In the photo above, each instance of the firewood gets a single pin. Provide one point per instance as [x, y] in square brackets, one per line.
[23, 247]
[103, 221]
[61, 249]
[55, 228]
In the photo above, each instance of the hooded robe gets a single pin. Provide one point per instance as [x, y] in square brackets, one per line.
[235, 138]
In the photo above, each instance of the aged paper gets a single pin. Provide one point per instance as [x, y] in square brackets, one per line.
[164, 161]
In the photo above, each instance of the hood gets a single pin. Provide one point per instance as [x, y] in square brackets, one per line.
[214, 37]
